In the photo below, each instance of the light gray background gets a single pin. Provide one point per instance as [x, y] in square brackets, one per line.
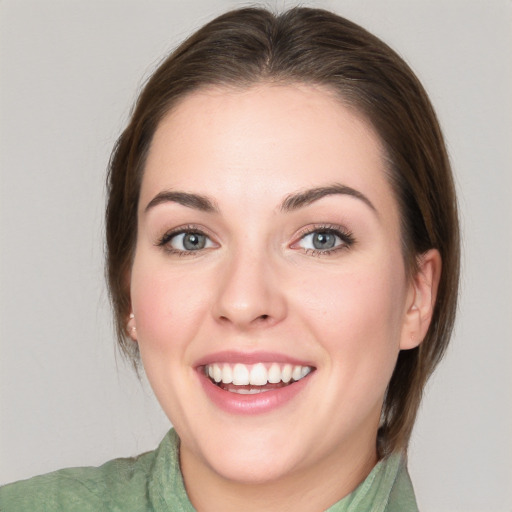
[69, 74]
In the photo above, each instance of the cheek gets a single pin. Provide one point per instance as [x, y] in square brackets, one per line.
[357, 316]
[166, 306]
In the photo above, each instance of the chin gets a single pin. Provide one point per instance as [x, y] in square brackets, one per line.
[261, 468]
[248, 455]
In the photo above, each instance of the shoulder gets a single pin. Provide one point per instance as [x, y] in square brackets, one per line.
[117, 485]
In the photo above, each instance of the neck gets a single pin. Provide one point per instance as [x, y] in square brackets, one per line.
[312, 489]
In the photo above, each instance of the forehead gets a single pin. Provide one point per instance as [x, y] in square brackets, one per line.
[266, 140]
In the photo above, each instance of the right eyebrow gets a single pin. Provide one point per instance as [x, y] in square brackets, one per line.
[187, 199]
[306, 197]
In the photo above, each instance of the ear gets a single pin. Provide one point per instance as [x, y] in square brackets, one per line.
[421, 299]
[131, 327]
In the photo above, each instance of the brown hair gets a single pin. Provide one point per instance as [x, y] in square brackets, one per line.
[313, 46]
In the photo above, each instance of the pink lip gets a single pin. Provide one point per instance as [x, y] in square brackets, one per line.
[251, 404]
[231, 356]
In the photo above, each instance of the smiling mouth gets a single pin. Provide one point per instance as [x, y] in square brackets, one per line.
[256, 378]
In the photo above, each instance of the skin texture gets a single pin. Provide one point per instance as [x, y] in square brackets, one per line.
[259, 285]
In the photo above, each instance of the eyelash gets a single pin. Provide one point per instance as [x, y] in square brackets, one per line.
[342, 233]
[345, 235]
[183, 230]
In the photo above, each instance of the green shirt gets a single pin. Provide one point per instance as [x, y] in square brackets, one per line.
[153, 482]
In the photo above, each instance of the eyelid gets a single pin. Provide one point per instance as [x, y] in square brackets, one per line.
[312, 228]
[163, 240]
[342, 232]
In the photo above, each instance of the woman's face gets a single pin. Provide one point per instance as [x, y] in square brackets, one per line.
[268, 258]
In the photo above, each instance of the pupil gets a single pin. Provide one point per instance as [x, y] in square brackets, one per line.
[193, 241]
[324, 241]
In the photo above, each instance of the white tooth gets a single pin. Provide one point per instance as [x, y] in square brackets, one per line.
[274, 374]
[304, 371]
[227, 374]
[245, 391]
[287, 373]
[258, 375]
[251, 391]
[296, 374]
[210, 371]
[240, 375]
[217, 373]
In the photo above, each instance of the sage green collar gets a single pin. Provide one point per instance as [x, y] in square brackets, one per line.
[387, 488]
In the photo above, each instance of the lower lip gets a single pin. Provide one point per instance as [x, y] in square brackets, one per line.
[259, 403]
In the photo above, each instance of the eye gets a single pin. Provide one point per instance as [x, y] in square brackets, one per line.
[185, 241]
[189, 241]
[325, 240]
[320, 240]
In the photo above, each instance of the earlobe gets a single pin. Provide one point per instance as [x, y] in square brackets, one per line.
[421, 299]
[131, 328]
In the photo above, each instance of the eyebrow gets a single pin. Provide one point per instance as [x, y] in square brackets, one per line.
[305, 198]
[290, 203]
[196, 201]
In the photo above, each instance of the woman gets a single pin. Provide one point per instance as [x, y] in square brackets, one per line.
[283, 255]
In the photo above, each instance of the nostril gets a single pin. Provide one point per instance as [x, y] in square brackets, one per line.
[246, 319]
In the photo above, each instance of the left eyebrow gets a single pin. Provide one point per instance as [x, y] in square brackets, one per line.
[305, 198]
[195, 201]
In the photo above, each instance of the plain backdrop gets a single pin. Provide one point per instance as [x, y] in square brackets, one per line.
[69, 73]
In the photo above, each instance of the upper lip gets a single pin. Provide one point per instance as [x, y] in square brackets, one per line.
[233, 356]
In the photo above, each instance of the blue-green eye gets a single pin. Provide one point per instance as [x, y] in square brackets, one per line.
[189, 241]
[186, 241]
[325, 240]
[322, 240]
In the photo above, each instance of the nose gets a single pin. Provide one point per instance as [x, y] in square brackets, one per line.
[250, 293]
